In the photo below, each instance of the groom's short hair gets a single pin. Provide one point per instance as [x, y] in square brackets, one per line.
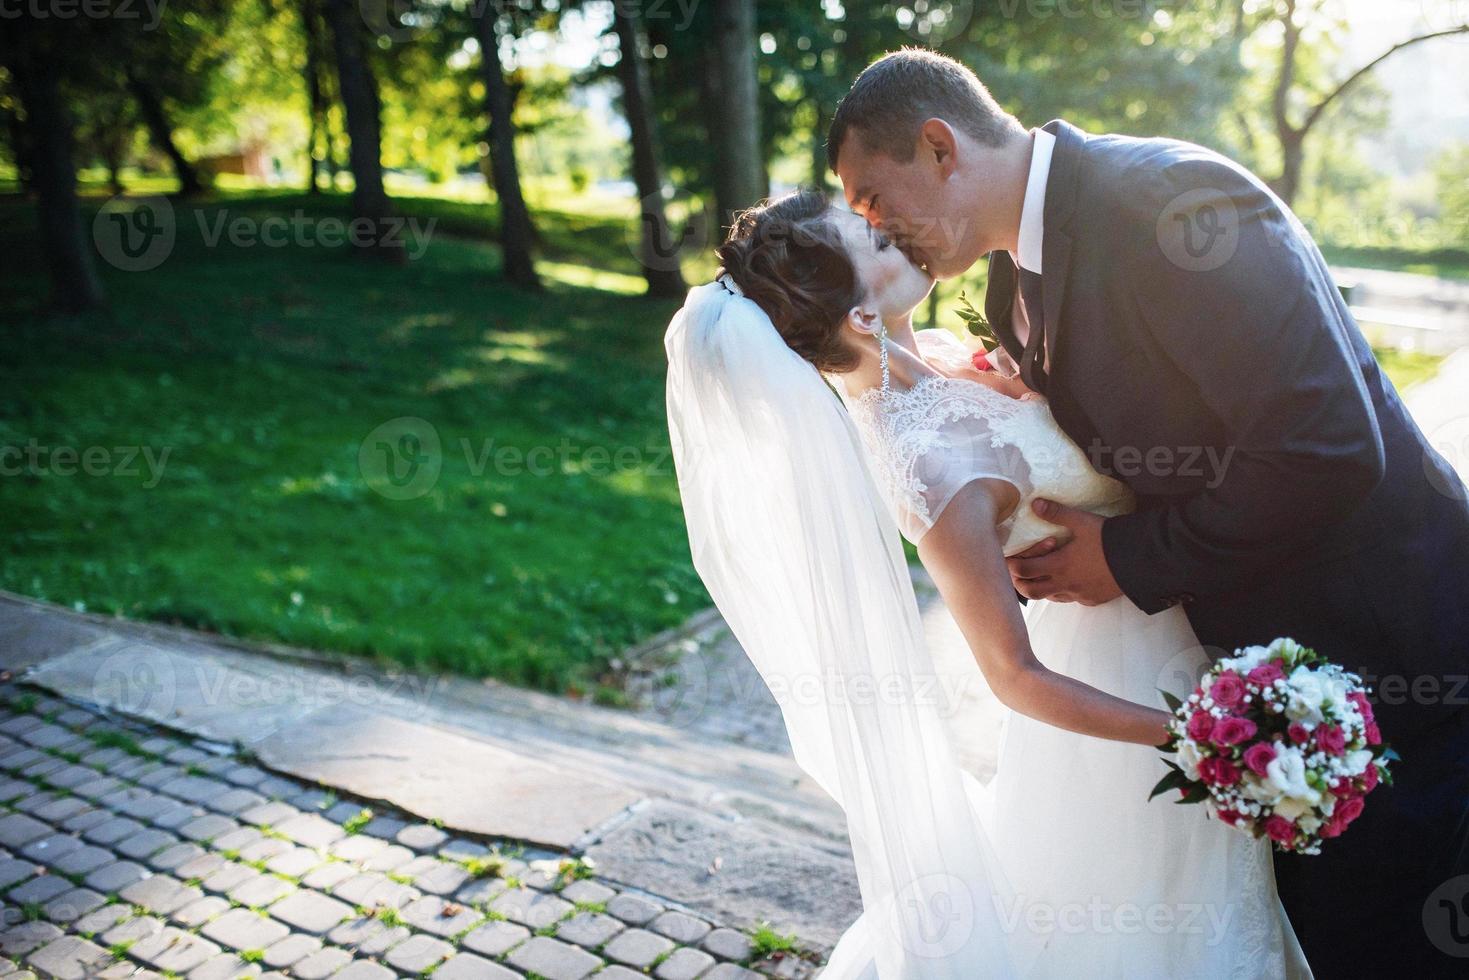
[895, 95]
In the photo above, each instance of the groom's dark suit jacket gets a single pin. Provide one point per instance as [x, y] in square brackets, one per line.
[1197, 348]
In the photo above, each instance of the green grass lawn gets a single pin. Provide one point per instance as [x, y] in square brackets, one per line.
[261, 371]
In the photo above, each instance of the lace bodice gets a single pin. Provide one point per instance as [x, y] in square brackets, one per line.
[927, 442]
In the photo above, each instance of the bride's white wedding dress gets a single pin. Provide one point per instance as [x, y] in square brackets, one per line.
[1110, 884]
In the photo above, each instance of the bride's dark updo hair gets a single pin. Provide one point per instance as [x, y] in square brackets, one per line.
[785, 254]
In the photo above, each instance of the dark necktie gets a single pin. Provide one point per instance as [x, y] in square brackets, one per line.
[1033, 360]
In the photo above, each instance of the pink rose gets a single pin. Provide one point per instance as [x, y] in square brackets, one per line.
[1332, 827]
[1363, 705]
[1280, 830]
[1369, 778]
[1298, 733]
[1219, 772]
[1230, 817]
[1265, 675]
[1228, 689]
[1200, 725]
[981, 361]
[1331, 740]
[1374, 734]
[1348, 810]
[1232, 731]
[1258, 756]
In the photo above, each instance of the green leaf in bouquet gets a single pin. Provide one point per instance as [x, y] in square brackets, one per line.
[1171, 699]
[977, 322]
[1195, 793]
[1175, 779]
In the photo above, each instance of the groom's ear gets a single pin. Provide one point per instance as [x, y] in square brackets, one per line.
[936, 138]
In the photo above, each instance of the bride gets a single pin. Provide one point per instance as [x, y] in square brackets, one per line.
[795, 497]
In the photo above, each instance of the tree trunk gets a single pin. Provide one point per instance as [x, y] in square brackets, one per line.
[358, 89]
[74, 283]
[517, 233]
[735, 114]
[818, 144]
[1292, 155]
[315, 99]
[659, 247]
[155, 117]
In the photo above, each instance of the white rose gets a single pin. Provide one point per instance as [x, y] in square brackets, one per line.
[1188, 758]
[1305, 694]
[1251, 657]
[1357, 762]
[1257, 790]
[1309, 824]
[1287, 774]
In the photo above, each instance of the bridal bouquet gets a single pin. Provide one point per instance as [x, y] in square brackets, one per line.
[1281, 742]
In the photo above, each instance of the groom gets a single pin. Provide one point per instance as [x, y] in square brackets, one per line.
[1189, 337]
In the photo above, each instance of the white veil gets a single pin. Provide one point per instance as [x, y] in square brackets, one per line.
[791, 537]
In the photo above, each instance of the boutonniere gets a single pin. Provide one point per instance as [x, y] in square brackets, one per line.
[979, 326]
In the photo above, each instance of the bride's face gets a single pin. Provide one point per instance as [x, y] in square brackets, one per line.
[893, 286]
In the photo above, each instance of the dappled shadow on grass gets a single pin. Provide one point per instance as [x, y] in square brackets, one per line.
[257, 373]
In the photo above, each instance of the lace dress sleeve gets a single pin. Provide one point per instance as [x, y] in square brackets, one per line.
[931, 441]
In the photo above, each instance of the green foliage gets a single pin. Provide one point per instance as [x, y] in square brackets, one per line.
[263, 370]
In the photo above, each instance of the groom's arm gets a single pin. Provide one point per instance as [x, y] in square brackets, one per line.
[1258, 335]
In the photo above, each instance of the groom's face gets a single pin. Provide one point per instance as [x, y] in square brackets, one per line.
[907, 202]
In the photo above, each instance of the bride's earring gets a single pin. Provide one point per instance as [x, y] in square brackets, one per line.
[882, 357]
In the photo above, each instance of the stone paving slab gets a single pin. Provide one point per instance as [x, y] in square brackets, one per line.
[514, 911]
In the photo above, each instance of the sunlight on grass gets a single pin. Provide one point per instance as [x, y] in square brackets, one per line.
[586, 277]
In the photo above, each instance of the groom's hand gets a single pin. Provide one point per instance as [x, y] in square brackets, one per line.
[1074, 572]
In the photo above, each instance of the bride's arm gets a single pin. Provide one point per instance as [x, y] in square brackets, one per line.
[962, 552]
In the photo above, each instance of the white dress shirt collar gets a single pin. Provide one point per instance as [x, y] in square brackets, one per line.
[1033, 210]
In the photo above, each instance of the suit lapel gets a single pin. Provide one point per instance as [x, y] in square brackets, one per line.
[1056, 242]
[1056, 260]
